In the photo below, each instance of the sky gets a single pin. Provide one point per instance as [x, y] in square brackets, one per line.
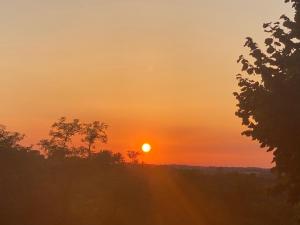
[159, 71]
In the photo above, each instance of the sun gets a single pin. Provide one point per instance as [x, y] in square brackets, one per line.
[146, 147]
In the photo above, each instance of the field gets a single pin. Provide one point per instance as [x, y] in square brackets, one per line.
[35, 191]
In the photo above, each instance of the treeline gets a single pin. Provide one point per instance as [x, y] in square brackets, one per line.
[60, 143]
[62, 186]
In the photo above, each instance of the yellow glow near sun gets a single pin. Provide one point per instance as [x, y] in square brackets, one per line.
[146, 147]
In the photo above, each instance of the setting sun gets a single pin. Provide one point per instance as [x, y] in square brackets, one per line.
[136, 112]
[146, 147]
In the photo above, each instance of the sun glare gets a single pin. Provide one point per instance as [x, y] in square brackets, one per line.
[146, 147]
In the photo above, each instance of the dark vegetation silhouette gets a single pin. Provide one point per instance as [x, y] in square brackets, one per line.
[69, 182]
[62, 132]
[133, 156]
[269, 98]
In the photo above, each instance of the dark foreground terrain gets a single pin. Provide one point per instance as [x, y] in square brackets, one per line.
[36, 191]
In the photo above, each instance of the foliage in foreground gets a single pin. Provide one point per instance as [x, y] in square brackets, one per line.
[268, 99]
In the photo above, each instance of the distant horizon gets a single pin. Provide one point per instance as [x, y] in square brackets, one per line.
[209, 166]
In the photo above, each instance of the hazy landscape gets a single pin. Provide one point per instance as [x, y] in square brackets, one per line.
[36, 191]
[69, 185]
[140, 112]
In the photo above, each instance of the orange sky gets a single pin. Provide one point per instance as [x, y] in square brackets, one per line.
[156, 71]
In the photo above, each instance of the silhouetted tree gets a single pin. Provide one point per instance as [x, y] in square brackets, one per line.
[133, 156]
[63, 131]
[61, 134]
[94, 132]
[52, 149]
[269, 97]
[10, 139]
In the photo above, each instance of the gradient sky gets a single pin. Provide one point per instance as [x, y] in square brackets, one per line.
[157, 71]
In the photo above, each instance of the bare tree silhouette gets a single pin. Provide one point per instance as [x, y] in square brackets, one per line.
[133, 156]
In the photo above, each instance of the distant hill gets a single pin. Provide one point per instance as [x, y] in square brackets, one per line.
[213, 169]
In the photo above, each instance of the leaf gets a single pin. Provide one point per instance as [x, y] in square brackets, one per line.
[250, 71]
[277, 43]
[270, 50]
[240, 58]
[268, 41]
[245, 67]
